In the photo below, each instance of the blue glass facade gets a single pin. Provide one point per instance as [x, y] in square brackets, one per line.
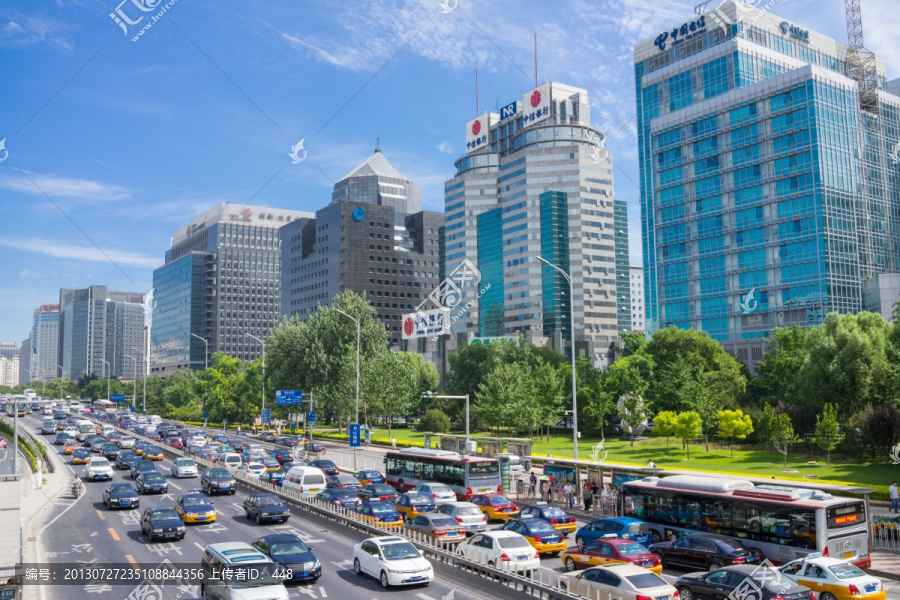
[555, 249]
[766, 194]
[179, 291]
[490, 262]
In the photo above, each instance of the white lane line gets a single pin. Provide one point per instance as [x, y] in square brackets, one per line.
[177, 487]
[424, 597]
[323, 592]
[199, 546]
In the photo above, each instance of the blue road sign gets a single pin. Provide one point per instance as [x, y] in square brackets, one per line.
[117, 398]
[131, 409]
[368, 436]
[354, 435]
[283, 397]
[311, 417]
[205, 414]
[266, 415]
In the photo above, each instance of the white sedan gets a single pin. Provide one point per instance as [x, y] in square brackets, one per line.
[393, 561]
[98, 468]
[254, 469]
[833, 578]
[438, 492]
[184, 467]
[626, 581]
[505, 550]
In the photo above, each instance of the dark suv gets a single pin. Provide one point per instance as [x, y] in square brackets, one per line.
[706, 551]
[217, 481]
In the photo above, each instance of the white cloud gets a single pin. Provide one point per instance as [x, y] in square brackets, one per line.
[63, 187]
[445, 147]
[58, 249]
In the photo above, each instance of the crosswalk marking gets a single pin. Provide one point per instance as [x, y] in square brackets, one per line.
[424, 596]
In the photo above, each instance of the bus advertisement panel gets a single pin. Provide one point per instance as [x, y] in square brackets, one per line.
[468, 476]
[782, 522]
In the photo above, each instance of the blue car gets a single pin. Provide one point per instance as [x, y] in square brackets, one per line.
[622, 527]
[274, 477]
[289, 552]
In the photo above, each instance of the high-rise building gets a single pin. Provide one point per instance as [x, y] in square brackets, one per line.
[8, 349]
[768, 191]
[97, 328]
[25, 361]
[45, 341]
[220, 282]
[375, 239]
[9, 371]
[536, 182]
[637, 297]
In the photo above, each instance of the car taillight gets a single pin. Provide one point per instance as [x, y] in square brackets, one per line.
[738, 561]
[439, 532]
[504, 557]
[377, 518]
[538, 540]
[499, 489]
[554, 521]
[435, 495]
[536, 555]
[676, 594]
[853, 589]
[458, 520]
[825, 551]
[468, 491]
[338, 502]
[483, 518]
[641, 597]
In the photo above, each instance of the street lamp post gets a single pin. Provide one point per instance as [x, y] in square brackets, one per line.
[134, 393]
[263, 374]
[572, 349]
[206, 368]
[61, 371]
[355, 320]
[109, 368]
[433, 396]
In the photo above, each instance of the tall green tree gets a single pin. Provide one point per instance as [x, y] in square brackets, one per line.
[391, 382]
[504, 395]
[687, 427]
[828, 431]
[782, 432]
[666, 422]
[734, 424]
[776, 373]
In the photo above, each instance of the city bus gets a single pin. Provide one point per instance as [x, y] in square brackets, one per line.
[468, 476]
[104, 407]
[17, 404]
[782, 522]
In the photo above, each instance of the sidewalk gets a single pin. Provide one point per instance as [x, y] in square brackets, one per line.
[885, 564]
[38, 500]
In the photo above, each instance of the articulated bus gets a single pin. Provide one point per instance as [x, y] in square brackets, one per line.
[782, 522]
[468, 476]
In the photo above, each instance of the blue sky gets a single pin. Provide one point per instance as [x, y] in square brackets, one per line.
[113, 144]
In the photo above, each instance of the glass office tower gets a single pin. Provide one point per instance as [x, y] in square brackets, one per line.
[767, 195]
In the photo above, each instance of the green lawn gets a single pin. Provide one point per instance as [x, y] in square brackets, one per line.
[745, 462]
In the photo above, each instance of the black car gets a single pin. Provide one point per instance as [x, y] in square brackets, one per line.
[266, 507]
[151, 482]
[343, 481]
[59, 415]
[97, 444]
[339, 497]
[377, 491]
[89, 440]
[289, 552]
[740, 581]
[282, 455]
[120, 495]
[141, 465]
[315, 447]
[217, 481]
[125, 459]
[267, 437]
[109, 451]
[706, 551]
[61, 438]
[328, 467]
[163, 523]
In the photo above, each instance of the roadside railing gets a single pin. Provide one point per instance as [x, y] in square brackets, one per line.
[885, 535]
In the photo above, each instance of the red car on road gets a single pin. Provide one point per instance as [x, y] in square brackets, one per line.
[3, 442]
[176, 442]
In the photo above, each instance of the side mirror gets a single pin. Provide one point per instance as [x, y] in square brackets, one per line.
[311, 548]
[212, 502]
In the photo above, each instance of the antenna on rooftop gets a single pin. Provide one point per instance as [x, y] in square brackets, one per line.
[476, 91]
[535, 61]
[378, 144]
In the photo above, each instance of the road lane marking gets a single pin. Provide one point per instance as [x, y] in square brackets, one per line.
[113, 533]
[100, 514]
[133, 562]
[424, 596]
[202, 548]
[177, 487]
[322, 591]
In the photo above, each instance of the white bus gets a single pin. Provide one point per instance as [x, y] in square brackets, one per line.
[782, 522]
[468, 476]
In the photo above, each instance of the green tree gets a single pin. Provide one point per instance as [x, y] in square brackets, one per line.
[547, 389]
[632, 343]
[503, 394]
[705, 398]
[782, 432]
[434, 421]
[391, 382]
[665, 425]
[687, 427]
[828, 431]
[734, 424]
[776, 373]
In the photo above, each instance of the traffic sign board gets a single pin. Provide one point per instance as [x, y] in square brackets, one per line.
[288, 397]
[354, 435]
[266, 415]
[311, 417]
[117, 398]
[205, 414]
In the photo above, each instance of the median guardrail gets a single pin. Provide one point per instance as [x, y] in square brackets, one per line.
[538, 583]
[885, 535]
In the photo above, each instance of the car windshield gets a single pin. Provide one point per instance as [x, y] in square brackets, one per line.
[846, 571]
[484, 468]
[164, 515]
[382, 489]
[117, 488]
[539, 526]
[184, 462]
[286, 548]
[733, 544]
[99, 462]
[195, 501]
[441, 489]
[513, 541]
[401, 551]
[645, 580]
[152, 477]
[631, 548]
[498, 500]
[469, 510]
[326, 464]
[419, 500]
[381, 509]
[218, 473]
[269, 501]
[342, 494]
[144, 464]
[127, 455]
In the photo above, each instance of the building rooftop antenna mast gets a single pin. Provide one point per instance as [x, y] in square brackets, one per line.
[861, 60]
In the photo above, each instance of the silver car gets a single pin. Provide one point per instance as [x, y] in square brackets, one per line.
[466, 513]
[184, 467]
[438, 492]
[125, 442]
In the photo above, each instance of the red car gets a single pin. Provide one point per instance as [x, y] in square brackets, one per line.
[611, 550]
[3, 442]
[175, 442]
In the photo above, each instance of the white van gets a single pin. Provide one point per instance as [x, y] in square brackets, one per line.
[303, 479]
[515, 464]
[230, 461]
[155, 420]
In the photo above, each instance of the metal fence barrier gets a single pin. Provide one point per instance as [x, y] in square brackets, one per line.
[885, 535]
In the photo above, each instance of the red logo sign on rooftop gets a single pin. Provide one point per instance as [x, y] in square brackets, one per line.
[476, 127]
[246, 213]
[408, 326]
[535, 98]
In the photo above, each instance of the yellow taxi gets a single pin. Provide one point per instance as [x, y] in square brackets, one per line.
[380, 514]
[410, 505]
[153, 453]
[840, 578]
[71, 446]
[195, 508]
[496, 507]
[542, 536]
[81, 456]
[611, 550]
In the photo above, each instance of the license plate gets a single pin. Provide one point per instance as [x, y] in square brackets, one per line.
[224, 487]
[170, 535]
[416, 578]
[125, 502]
[304, 574]
[848, 555]
[662, 598]
[314, 491]
[201, 518]
[452, 534]
[870, 588]
[522, 557]
[473, 526]
[646, 563]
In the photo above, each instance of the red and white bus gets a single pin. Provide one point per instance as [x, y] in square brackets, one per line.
[468, 476]
[782, 522]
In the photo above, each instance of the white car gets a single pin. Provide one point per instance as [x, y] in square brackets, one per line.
[832, 576]
[393, 561]
[197, 440]
[466, 513]
[184, 467]
[98, 468]
[254, 469]
[438, 492]
[255, 449]
[72, 431]
[125, 442]
[500, 548]
[624, 580]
